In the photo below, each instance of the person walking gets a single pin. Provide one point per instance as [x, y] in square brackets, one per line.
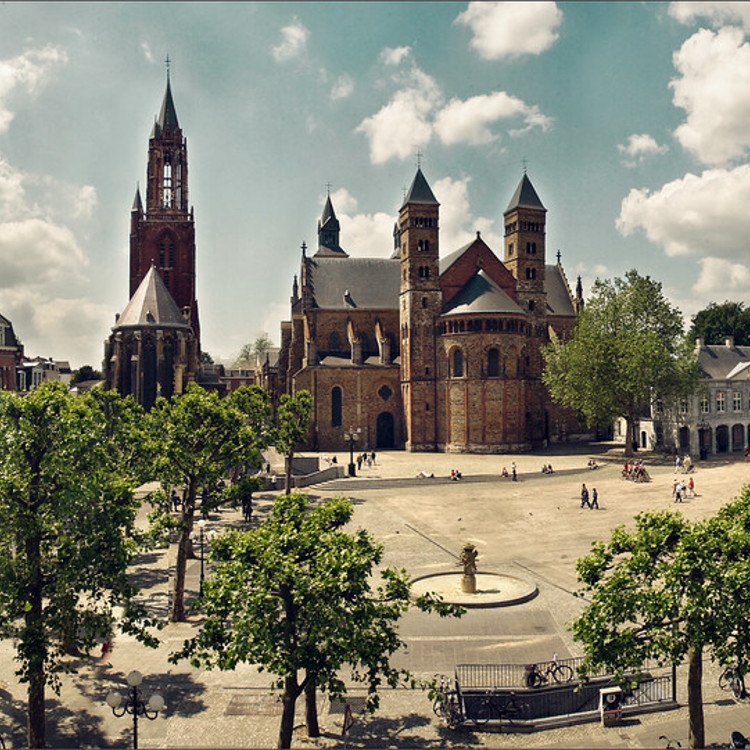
[585, 497]
[691, 487]
[678, 492]
[594, 498]
[513, 474]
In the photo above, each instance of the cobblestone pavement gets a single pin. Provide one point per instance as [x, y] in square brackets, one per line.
[533, 528]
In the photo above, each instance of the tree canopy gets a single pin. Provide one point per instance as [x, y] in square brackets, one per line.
[668, 590]
[255, 351]
[197, 439]
[296, 596]
[627, 350]
[68, 469]
[291, 428]
[717, 321]
[86, 372]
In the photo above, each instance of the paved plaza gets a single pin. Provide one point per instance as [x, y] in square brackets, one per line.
[533, 529]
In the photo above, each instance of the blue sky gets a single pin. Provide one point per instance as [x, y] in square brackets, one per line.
[631, 118]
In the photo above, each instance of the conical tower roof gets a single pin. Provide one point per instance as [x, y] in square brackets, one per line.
[328, 219]
[152, 305]
[168, 114]
[420, 191]
[525, 196]
[137, 202]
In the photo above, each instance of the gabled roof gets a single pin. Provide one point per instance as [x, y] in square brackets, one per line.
[559, 301]
[371, 283]
[721, 362]
[525, 196]
[420, 191]
[481, 295]
[152, 305]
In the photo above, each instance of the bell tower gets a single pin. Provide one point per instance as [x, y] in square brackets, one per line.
[163, 235]
[420, 300]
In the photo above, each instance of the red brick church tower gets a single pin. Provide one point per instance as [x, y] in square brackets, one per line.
[163, 235]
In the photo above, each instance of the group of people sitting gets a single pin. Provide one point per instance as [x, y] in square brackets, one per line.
[546, 468]
[456, 475]
[635, 471]
[592, 464]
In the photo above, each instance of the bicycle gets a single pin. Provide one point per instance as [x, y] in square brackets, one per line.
[732, 679]
[446, 705]
[671, 744]
[499, 706]
[536, 677]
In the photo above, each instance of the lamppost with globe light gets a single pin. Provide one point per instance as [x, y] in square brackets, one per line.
[134, 704]
[200, 536]
[352, 436]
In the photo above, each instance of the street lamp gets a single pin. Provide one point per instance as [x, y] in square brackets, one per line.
[134, 703]
[352, 436]
[209, 535]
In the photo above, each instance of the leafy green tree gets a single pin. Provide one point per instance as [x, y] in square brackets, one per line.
[296, 597]
[255, 351]
[292, 425]
[198, 438]
[627, 350]
[67, 514]
[206, 358]
[671, 589]
[86, 372]
[717, 321]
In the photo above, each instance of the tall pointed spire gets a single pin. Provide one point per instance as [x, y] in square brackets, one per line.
[525, 195]
[420, 191]
[329, 232]
[168, 114]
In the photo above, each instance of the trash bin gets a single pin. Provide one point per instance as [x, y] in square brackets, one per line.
[610, 706]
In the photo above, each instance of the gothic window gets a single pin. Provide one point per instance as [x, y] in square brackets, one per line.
[458, 363]
[178, 183]
[167, 185]
[334, 342]
[171, 254]
[424, 301]
[336, 403]
[510, 248]
[427, 246]
[532, 305]
[166, 279]
[493, 363]
[420, 246]
[161, 254]
[531, 273]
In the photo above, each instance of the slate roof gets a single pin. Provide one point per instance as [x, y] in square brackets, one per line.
[525, 196]
[558, 297]
[151, 305]
[719, 362]
[420, 191]
[481, 295]
[448, 260]
[372, 283]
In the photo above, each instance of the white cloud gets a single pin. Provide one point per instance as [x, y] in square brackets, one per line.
[719, 14]
[28, 73]
[714, 90]
[722, 279]
[702, 215]
[457, 224]
[467, 121]
[506, 30]
[638, 148]
[403, 125]
[86, 200]
[293, 41]
[416, 111]
[146, 49]
[342, 88]
[343, 201]
[394, 55]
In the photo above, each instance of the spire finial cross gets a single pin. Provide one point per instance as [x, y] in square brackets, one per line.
[328, 189]
[167, 62]
[525, 163]
[419, 159]
[304, 248]
[559, 255]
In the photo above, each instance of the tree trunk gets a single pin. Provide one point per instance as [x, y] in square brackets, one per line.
[629, 435]
[288, 700]
[177, 613]
[288, 472]
[36, 645]
[311, 707]
[696, 732]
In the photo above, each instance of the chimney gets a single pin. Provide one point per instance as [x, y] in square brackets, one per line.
[700, 342]
[729, 342]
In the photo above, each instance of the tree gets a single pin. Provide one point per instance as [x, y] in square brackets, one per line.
[291, 428]
[67, 513]
[198, 438]
[295, 596]
[670, 589]
[86, 372]
[254, 352]
[715, 322]
[627, 350]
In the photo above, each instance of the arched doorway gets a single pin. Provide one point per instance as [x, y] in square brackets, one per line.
[384, 430]
[684, 440]
[738, 437]
[722, 439]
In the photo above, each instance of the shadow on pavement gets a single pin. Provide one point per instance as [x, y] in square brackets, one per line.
[406, 731]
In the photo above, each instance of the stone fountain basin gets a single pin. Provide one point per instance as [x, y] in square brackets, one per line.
[493, 589]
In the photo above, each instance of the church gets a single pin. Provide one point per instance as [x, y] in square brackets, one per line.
[430, 353]
[154, 348]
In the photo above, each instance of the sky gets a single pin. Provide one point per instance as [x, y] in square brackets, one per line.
[631, 120]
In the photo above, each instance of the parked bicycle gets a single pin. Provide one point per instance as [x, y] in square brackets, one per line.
[500, 706]
[446, 704]
[536, 677]
[732, 679]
